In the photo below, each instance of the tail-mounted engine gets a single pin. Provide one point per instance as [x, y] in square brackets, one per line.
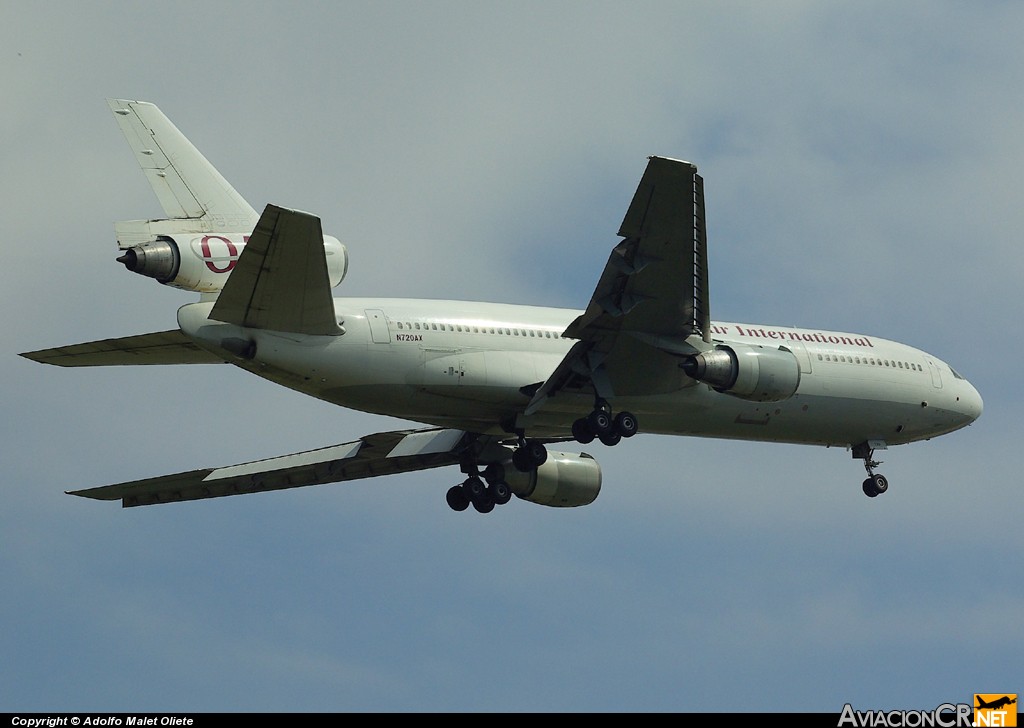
[755, 373]
[563, 480]
[202, 262]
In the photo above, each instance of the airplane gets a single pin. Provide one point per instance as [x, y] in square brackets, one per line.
[995, 704]
[492, 387]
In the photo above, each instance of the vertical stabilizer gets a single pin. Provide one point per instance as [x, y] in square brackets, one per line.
[186, 184]
[208, 224]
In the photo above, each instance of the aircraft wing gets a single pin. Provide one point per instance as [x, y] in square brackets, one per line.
[656, 279]
[653, 292]
[164, 347]
[384, 453]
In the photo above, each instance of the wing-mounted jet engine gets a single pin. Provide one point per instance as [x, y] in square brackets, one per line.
[755, 373]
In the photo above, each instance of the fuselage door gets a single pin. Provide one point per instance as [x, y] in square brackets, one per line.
[934, 369]
[378, 326]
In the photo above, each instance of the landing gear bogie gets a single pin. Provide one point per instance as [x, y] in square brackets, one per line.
[601, 425]
[483, 490]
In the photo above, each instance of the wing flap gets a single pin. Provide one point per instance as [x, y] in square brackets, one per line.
[164, 347]
[384, 453]
[281, 280]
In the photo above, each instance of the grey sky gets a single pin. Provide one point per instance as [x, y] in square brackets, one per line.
[863, 169]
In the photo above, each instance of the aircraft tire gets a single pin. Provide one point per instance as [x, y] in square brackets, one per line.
[484, 504]
[474, 487]
[611, 439]
[538, 453]
[521, 460]
[879, 483]
[626, 424]
[500, 493]
[868, 486]
[581, 431]
[600, 422]
[529, 456]
[494, 473]
[457, 498]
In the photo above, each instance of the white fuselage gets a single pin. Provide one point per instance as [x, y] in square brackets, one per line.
[464, 365]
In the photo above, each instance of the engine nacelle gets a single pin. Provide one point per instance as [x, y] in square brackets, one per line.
[755, 373]
[202, 263]
[563, 481]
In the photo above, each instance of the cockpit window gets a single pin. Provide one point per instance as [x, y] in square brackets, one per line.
[955, 373]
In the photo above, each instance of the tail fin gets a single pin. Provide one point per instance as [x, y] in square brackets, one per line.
[197, 245]
[186, 184]
[208, 223]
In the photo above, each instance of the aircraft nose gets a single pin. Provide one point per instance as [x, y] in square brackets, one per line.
[970, 403]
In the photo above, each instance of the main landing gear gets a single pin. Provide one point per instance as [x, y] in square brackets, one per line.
[482, 490]
[489, 488]
[602, 425]
[875, 484]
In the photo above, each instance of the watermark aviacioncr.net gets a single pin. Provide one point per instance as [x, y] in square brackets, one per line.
[989, 710]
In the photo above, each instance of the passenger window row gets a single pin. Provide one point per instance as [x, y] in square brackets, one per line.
[869, 360]
[467, 329]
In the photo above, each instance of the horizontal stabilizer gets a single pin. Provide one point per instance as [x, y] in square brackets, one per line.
[164, 347]
[384, 453]
[281, 281]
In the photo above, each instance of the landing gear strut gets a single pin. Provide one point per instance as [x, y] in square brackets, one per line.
[875, 484]
[602, 425]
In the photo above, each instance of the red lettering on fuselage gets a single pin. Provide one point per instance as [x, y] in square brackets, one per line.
[212, 259]
[821, 338]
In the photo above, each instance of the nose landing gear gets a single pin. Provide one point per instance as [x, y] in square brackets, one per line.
[876, 483]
